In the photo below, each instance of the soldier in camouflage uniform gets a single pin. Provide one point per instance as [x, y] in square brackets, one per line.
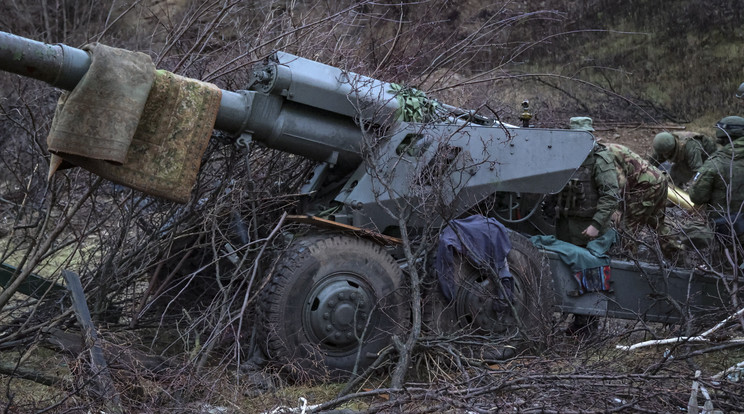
[719, 185]
[585, 207]
[643, 188]
[591, 196]
[685, 150]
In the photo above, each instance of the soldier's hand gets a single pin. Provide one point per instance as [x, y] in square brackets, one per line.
[590, 232]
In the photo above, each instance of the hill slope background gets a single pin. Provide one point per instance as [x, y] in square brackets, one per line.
[636, 67]
[620, 62]
[638, 60]
[677, 61]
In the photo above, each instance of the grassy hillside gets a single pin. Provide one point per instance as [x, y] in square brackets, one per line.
[634, 61]
[671, 60]
[162, 279]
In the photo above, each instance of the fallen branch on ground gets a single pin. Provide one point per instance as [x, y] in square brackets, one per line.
[703, 337]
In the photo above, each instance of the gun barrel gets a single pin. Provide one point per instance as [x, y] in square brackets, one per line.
[64, 66]
[59, 65]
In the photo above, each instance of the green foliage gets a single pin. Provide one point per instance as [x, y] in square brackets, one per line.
[414, 105]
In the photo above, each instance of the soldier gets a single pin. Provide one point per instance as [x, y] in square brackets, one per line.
[585, 206]
[643, 188]
[685, 150]
[719, 185]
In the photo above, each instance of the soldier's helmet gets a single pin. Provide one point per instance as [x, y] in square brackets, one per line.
[665, 144]
[730, 126]
[740, 91]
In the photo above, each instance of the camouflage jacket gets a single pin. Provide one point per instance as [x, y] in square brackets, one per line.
[693, 149]
[606, 191]
[720, 181]
[643, 187]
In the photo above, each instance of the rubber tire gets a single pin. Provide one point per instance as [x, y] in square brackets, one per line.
[533, 300]
[311, 267]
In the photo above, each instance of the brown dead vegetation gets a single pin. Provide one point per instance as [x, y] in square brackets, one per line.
[173, 288]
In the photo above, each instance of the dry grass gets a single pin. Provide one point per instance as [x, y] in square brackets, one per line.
[634, 79]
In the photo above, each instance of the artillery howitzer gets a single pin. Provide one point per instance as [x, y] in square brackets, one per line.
[336, 298]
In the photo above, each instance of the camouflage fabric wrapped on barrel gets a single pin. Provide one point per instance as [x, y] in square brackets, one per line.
[135, 126]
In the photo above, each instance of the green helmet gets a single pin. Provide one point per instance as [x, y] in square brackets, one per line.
[740, 91]
[665, 144]
[730, 126]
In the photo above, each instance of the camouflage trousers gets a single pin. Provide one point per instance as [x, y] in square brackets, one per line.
[645, 206]
[569, 230]
[643, 214]
[698, 242]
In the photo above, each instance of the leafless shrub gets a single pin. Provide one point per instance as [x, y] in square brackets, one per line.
[181, 282]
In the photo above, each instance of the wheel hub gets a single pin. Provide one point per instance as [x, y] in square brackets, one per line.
[337, 310]
[477, 304]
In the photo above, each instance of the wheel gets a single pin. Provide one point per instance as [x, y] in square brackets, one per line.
[476, 309]
[332, 304]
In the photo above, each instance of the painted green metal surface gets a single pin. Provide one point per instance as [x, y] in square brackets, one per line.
[642, 291]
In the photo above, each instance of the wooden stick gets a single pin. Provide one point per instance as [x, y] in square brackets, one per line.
[98, 364]
[13, 370]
